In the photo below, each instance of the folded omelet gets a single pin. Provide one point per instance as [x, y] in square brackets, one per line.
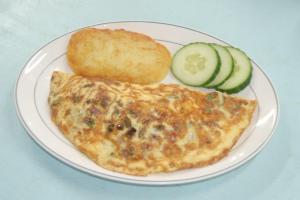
[118, 55]
[144, 129]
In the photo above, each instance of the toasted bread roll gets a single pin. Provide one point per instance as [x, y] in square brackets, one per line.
[118, 55]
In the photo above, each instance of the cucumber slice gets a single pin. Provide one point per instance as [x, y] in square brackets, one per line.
[241, 75]
[226, 67]
[196, 64]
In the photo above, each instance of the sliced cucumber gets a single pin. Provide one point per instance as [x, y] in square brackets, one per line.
[196, 64]
[241, 75]
[226, 67]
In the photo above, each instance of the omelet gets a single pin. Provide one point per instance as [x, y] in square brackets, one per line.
[145, 129]
[118, 55]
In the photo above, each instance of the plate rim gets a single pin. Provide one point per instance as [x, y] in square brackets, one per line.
[123, 179]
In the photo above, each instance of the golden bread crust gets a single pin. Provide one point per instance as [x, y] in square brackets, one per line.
[118, 55]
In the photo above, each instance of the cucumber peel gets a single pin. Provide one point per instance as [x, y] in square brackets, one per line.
[226, 67]
[242, 73]
[196, 64]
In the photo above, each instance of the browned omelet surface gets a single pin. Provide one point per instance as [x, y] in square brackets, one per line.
[118, 55]
[139, 130]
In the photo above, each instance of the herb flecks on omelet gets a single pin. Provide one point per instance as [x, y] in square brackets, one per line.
[139, 130]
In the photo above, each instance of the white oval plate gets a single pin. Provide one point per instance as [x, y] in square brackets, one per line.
[32, 90]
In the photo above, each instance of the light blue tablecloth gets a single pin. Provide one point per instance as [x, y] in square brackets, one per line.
[269, 31]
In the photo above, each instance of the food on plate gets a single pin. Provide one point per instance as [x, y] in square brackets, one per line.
[119, 55]
[241, 75]
[144, 129]
[226, 69]
[196, 64]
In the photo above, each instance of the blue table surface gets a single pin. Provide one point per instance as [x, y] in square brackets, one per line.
[269, 31]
